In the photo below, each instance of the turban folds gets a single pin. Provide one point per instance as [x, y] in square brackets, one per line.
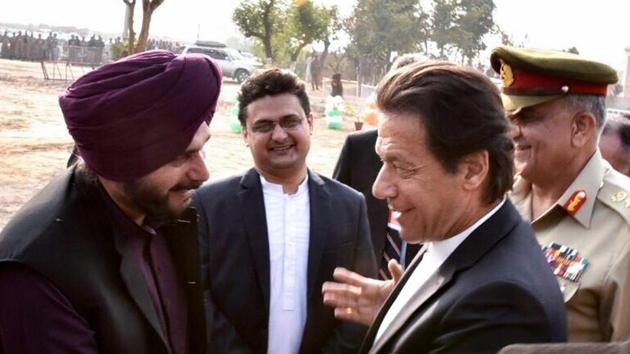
[131, 117]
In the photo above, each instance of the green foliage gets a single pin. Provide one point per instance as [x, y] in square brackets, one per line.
[378, 30]
[573, 50]
[461, 25]
[380, 27]
[283, 31]
[443, 25]
[120, 50]
[307, 23]
[474, 21]
[259, 19]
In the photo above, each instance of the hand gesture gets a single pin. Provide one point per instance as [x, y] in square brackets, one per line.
[357, 298]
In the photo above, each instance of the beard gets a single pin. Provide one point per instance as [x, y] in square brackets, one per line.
[155, 202]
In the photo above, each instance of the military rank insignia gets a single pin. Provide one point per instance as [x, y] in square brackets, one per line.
[578, 198]
[565, 262]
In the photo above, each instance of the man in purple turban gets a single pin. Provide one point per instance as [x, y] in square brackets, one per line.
[104, 259]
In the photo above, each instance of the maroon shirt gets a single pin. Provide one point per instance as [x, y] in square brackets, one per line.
[35, 317]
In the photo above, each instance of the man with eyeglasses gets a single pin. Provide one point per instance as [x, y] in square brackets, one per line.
[271, 237]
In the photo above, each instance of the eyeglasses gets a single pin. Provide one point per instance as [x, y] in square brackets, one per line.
[267, 126]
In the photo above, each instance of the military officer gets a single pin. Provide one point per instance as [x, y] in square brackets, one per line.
[578, 205]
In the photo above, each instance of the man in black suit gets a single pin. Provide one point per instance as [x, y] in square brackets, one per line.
[274, 235]
[357, 167]
[480, 282]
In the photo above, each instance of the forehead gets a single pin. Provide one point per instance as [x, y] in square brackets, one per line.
[274, 107]
[400, 133]
[200, 138]
[539, 110]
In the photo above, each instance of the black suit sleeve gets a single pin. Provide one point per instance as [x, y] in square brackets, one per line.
[343, 169]
[348, 336]
[222, 336]
[490, 318]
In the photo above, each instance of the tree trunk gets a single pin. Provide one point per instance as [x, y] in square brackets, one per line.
[268, 31]
[131, 34]
[268, 50]
[324, 55]
[148, 6]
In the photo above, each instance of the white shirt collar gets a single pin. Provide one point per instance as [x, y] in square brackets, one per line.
[436, 254]
[444, 248]
[277, 189]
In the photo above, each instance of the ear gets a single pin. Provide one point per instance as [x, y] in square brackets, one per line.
[473, 170]
[309, 119]
[583, 127]
[245, 134]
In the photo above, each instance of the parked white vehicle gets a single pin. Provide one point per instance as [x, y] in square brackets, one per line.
[233, 63]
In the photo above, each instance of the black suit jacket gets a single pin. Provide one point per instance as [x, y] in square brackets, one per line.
[67, 234]
[358, 166]
[236, 257]
[495, 289]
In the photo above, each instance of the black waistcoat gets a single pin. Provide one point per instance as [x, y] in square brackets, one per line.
[65, 234]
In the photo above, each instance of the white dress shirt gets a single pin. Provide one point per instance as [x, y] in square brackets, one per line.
[288, 228]
[437, 252]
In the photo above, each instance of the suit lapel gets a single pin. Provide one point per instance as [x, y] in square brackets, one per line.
[371, 334]
[427, 291]
[320, 219]
[474, 247]
[131, 275]
[253, 207]
[183, 244]
[136, 284]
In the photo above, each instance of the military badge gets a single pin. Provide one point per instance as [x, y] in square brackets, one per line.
[578, 198]
[618, 197]
[565, 262]
[506, 74]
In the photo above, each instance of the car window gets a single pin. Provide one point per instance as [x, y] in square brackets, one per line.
[217, 54]
[199, 50]
[212, 53]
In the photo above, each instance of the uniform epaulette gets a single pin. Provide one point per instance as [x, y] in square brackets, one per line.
[615, 193]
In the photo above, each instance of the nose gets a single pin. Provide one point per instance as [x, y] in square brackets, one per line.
[278, 133]
[515, 130]
[383, 187]
[198, 171]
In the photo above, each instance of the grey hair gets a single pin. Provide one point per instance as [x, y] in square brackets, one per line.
[590, 103]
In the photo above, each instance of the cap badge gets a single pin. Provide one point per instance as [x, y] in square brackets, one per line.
[578, 198]
[506, 74]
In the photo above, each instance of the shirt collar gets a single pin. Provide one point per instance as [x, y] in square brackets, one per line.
[444, 248]
[277, 189]
[578, 200]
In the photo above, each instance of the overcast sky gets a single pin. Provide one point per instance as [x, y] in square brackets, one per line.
[599, 29]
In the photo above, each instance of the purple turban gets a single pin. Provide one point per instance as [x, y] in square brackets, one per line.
[131, 117]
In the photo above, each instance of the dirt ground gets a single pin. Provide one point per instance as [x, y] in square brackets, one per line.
[34, 142]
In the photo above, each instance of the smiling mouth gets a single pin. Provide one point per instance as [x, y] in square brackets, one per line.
[519, 147]
[396, 213]
[185, 193]
[281, 148]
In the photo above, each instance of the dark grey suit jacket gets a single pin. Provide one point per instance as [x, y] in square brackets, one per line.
[493, 290]
[235, 252]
